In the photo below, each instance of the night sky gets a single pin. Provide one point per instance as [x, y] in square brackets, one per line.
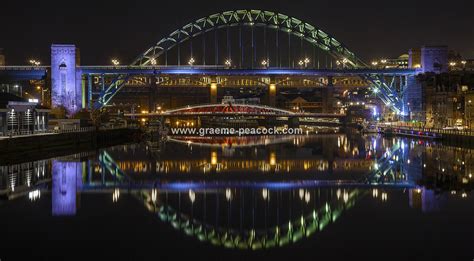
[105, 29]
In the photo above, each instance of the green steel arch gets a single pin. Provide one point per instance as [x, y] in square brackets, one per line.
[276, 236]
[260, 18]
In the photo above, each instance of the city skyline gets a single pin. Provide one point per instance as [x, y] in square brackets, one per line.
[103, 32]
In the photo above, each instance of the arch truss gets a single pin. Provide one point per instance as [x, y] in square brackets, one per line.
[260, 18]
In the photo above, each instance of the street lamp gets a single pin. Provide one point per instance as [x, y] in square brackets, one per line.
[228, 62]
[191, 61]
[265, 63]
[452, 63]
[34, 62]
[115, 62]
[153, 61]
[42, 90]
[374, 63]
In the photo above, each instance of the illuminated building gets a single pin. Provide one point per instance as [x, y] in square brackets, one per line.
[18, 115]
[65, 84]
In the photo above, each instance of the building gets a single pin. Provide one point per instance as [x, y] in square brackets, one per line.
[447, 99]
[434, 59]
[15, 89]
[302, 101]
[414, 58]
[20, 116]
[390, 63]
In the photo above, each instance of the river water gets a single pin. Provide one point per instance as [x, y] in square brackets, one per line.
[335, 196]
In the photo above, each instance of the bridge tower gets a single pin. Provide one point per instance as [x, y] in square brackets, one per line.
[66, 84]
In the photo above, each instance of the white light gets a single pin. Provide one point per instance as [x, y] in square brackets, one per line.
[115, 195]
[33, 100]
[192, 196]
[265, 194]
[34, 195]
[191, 61]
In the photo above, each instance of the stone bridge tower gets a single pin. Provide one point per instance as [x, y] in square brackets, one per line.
[66, 89]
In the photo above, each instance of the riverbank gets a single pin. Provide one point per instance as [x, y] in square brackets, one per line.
[34, 147]
[463, 139]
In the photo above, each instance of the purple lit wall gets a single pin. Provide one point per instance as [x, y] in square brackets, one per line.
[65, 88]
[67, 178]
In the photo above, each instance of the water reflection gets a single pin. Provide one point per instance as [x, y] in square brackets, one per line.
[261, 196]
[251, 218]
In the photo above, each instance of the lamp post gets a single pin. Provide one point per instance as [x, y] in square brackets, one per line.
[42, 90]
[34, 62]
[115, 62]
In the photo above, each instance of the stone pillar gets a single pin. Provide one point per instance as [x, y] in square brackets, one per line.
[272, 91]
[327, 96]
[66, 89]
[213, 92]
[152, 95]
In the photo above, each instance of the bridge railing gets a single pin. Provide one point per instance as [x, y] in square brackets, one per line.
[23, 68]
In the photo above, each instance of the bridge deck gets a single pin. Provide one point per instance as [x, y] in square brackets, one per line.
[37, 72]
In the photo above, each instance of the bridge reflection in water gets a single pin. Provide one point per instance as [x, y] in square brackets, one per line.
[249, 212]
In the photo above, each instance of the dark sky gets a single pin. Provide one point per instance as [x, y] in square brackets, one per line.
[105, 29]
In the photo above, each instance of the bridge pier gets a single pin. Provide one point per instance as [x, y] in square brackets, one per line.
[152, 95]
[272, 91]
[213, 91]
[328, 96]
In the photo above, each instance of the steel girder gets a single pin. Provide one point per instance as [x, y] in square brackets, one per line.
[390, 89]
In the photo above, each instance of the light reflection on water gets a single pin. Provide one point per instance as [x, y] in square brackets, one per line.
[251, 193]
